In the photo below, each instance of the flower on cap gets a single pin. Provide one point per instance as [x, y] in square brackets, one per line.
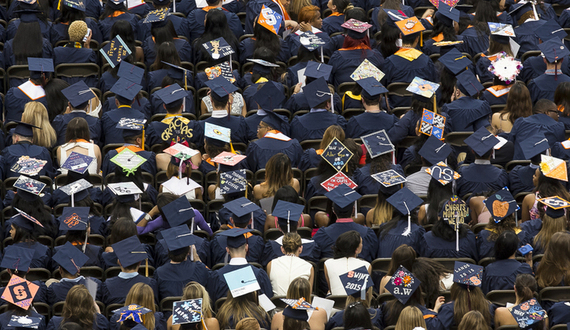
[505, 67]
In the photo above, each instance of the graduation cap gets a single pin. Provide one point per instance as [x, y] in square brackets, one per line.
[310, 41]
[275, 121]
[336, 154]
[128, 160]
[129, 251]
[405, 201]
[24, 129]
[286, 212]
[446, 14]
[218, 48]
[356, 28]
[177, 237]
[187, 311]
[389, 178]
[270, 19]
[241, 281]
[554, 168]
[233, 182]
[77, 190]
[268, 97]
[172, 96]
[442, 173]
[30, 186]
[553, 50]
[505, 67]
[534, 144]
[17, 258]
[75, 4]
[403, 284]
[336, 180]
[481, 141]
[131, 312]
[216, 132]
[297, 309]
[242, 210]
[223, 69]
[343, 195]
[423, 89]
[432, 124]
[181, 151]
[24, 321]
[378, 143]
[70, 258]
[434, 150]
[522, 7]
[455, 61]
[550, 30]
[78, 163]
[130, 72]
[126, 89]
[317, 92]
[20, 292]
[178, 212]
[28, 166]
[156, 16]
[122, 189]
[317, 70]
[221, 87]
[179, 73]
[394, 16]
[78, 94]
[555, 206]
[501, 32]
[468, 83]
[38, 65]
[410, 25]
[228, 158]
[235, 237]
[528, 313]
[356, 282]
[180, 186]
[371, 88]
[74, 218]
[453, 212]
[365, 70]
[115, 51]
[467, 274]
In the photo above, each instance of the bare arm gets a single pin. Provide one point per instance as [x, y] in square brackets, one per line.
[527, 204]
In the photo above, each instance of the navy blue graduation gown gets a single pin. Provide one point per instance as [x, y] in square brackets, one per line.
[311, 252]
[218, 246]
[180, 25]
[60, 122]
[345, 61]
[332, 23]
[368, 185]
[492, 99]
[520, 178]
[46, 197]
[239, 130]
[258, 219]
[487, 248]
[532, 227]
[294, 42]
[11, 155]
[13, 25]
[40, 297]
[435, 247]
[445, 315]
[59, 197]
[70, 55]
[565, 120]
[337, 319]
[42, 254]
[254, 120]
[534, 66]
[201, 79]
[149, 166]
[390, 241]
[559, 313]
[100, 323]
[157, 104]
[155, 79]
[57, 292]
[115, 289]
[185, 6]
[202, 247]
[314, 188]
[159, 320]
[106, 24]
[292, 77]
[335, 44]
[430, 317]
[183, 47]
[312, 125]
[93, 8]
[249, 93]
[501, 274]
[235, 6]
[525, 36]
[196, 23]
[218, 287]
[467, 114]
[478, 178]
[16, 100]
[544, 86]
[247, 47]
[260, 151]
[564, 18]
[482, 69]
[309, 159]
[7, 316]
[326, 238]
[405, 126]
[59, 32]
[155, 130]
[552, 130]
[399, 69]
[110, 119]
[368, 122]
[429, 47]
[141, 104]
[475, 41]
[171, 278]
[299, 102]
[110, 258]
[94, 253]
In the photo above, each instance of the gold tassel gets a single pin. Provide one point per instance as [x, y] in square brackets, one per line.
[434, 103]
[146, 268]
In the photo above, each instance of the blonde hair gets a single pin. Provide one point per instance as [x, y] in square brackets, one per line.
[473, 321]
[77, 30]
[291, 242]
[410, 318]
[238, 308]
[195, 290]
[295, 7]
[334, 131]
[249, 323]
[79, 307]
[36, 114]
[299, 288]
[382, 211]
[141, 294]
[550, 226]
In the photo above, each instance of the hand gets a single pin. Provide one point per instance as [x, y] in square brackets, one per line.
[97, 308]
[294, 26]
[297, 88]
[438, 302]
[528, 259]
[88, 41]
[305, 27]
[428, 13]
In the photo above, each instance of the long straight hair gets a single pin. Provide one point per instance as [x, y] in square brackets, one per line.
[141, 294]
[466, 300]
[28, 42]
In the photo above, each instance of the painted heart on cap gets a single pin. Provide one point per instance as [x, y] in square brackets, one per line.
[500, 209]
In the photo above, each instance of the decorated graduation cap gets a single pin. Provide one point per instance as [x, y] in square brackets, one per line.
[269, 19]
[178, 237]
[455, 61]
[355, 28]
[128, 160]
[262, 66]
[24, 321]
[17, 258]
[28, 166]
[454, 212]
[405, 201]
[528, 313]
[555, 206]
[157, 17]
[365, 70]
[500, 32]
[446, 14]
[356, 282]
[221, 87]
[241, 281]
[74, 218]
[233, 182]
[125, 192]
[317, 70]
[311, 41]
[297, 309]
[403, 284]
[432, 124]
[77, 190]
[534, 144]
[228, 158]
[78, 163]
[172, 96]
[410, 26]
[115, 51]
[442, 173]
[20, 292]
[371, 88]
[423, 90]
[188, 311]
[505, 67]
[126, 89]
[554, 168]
[235, 237]
[336, 154]
[268, 97]
[24, 220]
[501, 204]
[468, 83]
[389, 178]
[39, 66]
[218, 48]
[217, 135]
[481, 141]
[130, 72]
[378, 143]
[24, 129]
[180, 186]
[78, 94]
[522, 7]
[131, 312]
[434, 150]
[75, 4]
[242, 210]
[336, 180]
[317, 92]
[179, 212]
[287, 212]
[130, 251]
[467, 274]
[28, 188]
[70, 258]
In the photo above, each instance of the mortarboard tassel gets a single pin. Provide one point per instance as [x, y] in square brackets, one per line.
[252, 221]
[434, 103]
[72, 200]
[146, 268]
[409, 230]
[288, 225]
[85, 242]
[421, 39]
[363, 290]
[457, 232]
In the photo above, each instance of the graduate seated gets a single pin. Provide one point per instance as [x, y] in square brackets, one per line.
[311, 157]
[16, 309]
[17, 263]
[133, 138]
[522, 177]
[78, 141]
[518, 104]
[195, 291]
[526, 288]
[196, 20]
[503, 80]
[278, 174]
[121, 229]
[299, 289]
[544, 86]
[139, 302]
[79, 308]
[499, 47]
[179, 76]
[113, 12]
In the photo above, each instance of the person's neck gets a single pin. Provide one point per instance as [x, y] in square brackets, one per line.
[238, 255]
[178, 262]
[552, 66]
[179, 112]
[219, 109]
[129, 271]
[408, 45]
[372, 108]
[69, 276]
